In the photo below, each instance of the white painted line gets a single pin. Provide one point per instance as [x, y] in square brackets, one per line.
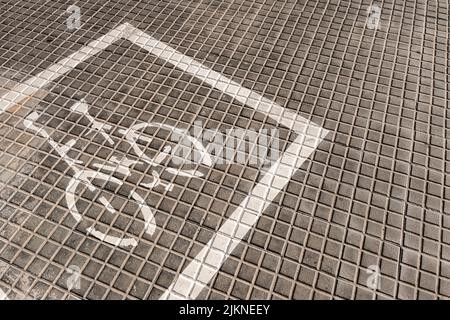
[32, 85]
[196, 276]
[3, 295]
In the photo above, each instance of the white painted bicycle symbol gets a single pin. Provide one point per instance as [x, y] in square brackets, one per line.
[116, 165]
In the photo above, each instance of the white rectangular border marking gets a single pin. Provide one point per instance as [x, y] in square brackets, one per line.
[198, 273]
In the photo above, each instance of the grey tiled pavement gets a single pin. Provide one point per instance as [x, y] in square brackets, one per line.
[375, 192]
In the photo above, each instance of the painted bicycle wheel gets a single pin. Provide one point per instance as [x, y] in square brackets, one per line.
[85, 176]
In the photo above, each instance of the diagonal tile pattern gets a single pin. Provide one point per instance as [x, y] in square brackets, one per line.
[374, 193]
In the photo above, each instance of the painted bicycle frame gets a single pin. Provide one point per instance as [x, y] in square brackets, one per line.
[115, 165]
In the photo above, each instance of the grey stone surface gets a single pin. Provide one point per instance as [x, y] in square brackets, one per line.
[376, 192]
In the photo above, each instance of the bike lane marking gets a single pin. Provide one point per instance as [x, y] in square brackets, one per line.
[197, 274]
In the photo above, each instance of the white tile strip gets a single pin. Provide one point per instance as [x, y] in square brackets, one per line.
[198, 273]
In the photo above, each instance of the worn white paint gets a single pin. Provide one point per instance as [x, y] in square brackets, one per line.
[85, 177]
[197, 274]
[83, 108]
[3, 295]
[44, 78]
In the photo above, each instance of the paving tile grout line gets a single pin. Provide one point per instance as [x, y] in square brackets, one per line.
[209, 260]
